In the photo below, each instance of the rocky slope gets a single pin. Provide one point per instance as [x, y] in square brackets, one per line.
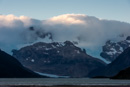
[120, 63]
[111, 50]
[57, 58]
[11, 68]
[123, 74]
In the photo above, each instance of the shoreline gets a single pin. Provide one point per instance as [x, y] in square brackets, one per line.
[62, 82]
[65, 86]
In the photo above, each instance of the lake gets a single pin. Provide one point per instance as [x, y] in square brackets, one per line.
[61, 81]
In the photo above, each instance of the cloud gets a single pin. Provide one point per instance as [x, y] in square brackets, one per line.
[15, 31]
[90, 32]
[67, 19]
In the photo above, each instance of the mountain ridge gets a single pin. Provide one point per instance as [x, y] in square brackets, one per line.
[57, 58]
[111, 50]
[12, 68]
[120, 63]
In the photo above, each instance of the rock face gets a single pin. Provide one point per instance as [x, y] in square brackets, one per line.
[57, 58]
[120, 63]
[111, 50]
[124, 74]
[11, 68]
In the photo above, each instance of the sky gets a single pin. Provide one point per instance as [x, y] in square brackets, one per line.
[44, 9]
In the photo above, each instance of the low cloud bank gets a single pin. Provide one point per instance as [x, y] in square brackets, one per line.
[90, 32]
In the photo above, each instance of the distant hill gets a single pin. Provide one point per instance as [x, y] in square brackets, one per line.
[11, 68]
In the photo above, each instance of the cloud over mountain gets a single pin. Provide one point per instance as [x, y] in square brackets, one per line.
[89, 31]
[67, 19]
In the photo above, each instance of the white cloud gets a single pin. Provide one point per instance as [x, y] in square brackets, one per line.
[90, 32]
[67, 19]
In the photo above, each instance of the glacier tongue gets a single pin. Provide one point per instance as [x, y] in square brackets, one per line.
[51, 75]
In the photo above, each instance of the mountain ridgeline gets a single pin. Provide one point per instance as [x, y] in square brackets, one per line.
[66, 59]
[123, 74]
[120, 63]
[111, 50]
[11, 68]
[63, 59]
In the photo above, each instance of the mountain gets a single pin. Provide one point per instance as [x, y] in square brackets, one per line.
[58, 58]
[120, 63]
[111, 50]
[11, 68]
[123, 74]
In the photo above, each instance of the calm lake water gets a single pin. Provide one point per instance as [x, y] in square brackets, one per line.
[62, 81]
